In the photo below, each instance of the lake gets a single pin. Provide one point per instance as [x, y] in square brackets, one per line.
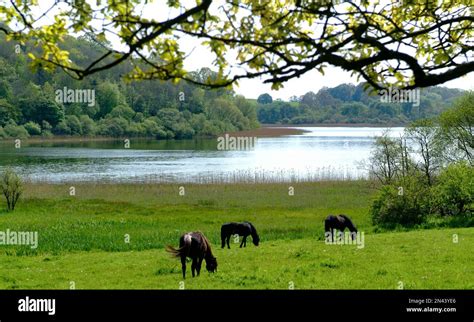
[321, 153]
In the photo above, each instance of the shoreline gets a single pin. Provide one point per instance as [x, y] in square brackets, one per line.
[358, 125]
[266, 130]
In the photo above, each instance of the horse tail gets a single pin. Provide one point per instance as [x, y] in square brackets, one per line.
[183, 250]
[173, 251]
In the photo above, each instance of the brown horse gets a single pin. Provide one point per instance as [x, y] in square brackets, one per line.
[195, 246]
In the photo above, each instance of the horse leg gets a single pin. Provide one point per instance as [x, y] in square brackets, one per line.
[183, 266]
[243, 240]
[199, 265]
[223, 238]
[228, 241]
[327, 229]
[194, 266]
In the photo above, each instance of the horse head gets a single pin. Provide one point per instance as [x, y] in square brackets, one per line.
[255, 239]
[211, 264]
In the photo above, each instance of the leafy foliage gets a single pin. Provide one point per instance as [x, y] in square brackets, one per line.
[454, 193]
[35, 104]
[403, 43]
[404, 203]
[11, 186]
[347, 103]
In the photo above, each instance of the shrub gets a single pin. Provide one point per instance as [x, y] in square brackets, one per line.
[405, 203]
[11, 186]
[454, 191]
[62, 128]
[114, 127]
[74, 124]
[122, 111]
[87, 125]
[16, 131]
[33, 128]
[2, 133]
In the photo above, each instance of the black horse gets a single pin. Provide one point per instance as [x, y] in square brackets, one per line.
[242, 229]
[195, 246]
[340, 222]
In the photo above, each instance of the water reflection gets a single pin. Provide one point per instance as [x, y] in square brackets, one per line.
[319, 154]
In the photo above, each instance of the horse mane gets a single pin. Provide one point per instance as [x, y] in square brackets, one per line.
[207, 243]
[349, 223]
[253, 230]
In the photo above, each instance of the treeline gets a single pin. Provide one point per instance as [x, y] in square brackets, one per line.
[427, 174]
[353, 104]
[52, 103]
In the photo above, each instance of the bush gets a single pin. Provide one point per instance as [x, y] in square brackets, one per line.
[87, 125]
[2, 133]
[16, 131]
[406, 203]
[74, 124]
[33, 128]
[11, 186]
[62, 128]
[122, 111]
[454, 191]
[114, 127]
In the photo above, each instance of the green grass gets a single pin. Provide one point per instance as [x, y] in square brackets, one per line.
[82, 239]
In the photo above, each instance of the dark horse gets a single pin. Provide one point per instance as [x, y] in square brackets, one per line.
[340, 222]
[195, 246]
[242, 229]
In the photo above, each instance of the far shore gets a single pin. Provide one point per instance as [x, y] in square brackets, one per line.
[334, 125]
[266, 130]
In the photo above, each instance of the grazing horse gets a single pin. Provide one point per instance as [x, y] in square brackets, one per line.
[242, 229]
[195, 246]
[340, 222]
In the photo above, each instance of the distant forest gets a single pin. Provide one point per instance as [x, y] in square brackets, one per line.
[29, 103]
[352, 104]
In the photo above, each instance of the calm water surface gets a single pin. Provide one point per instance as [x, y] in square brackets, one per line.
[320, 153]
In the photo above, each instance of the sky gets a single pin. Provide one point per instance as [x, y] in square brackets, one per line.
[252, 88]
[311, 81]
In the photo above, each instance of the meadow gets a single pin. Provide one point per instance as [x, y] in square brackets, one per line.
[112, 236]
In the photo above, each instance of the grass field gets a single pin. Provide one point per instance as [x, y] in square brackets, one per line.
[82, 239]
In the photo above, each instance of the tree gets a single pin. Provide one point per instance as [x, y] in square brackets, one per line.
[457, 126]
[265, 99]
[425, 137]
[11, 186]
[384, 162]
[8, 112]
[274, 40]
[108, 96]
[41, 109]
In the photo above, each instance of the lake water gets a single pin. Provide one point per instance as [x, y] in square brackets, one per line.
[321, 153]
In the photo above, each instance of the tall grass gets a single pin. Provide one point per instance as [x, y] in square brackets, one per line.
[98, 216]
